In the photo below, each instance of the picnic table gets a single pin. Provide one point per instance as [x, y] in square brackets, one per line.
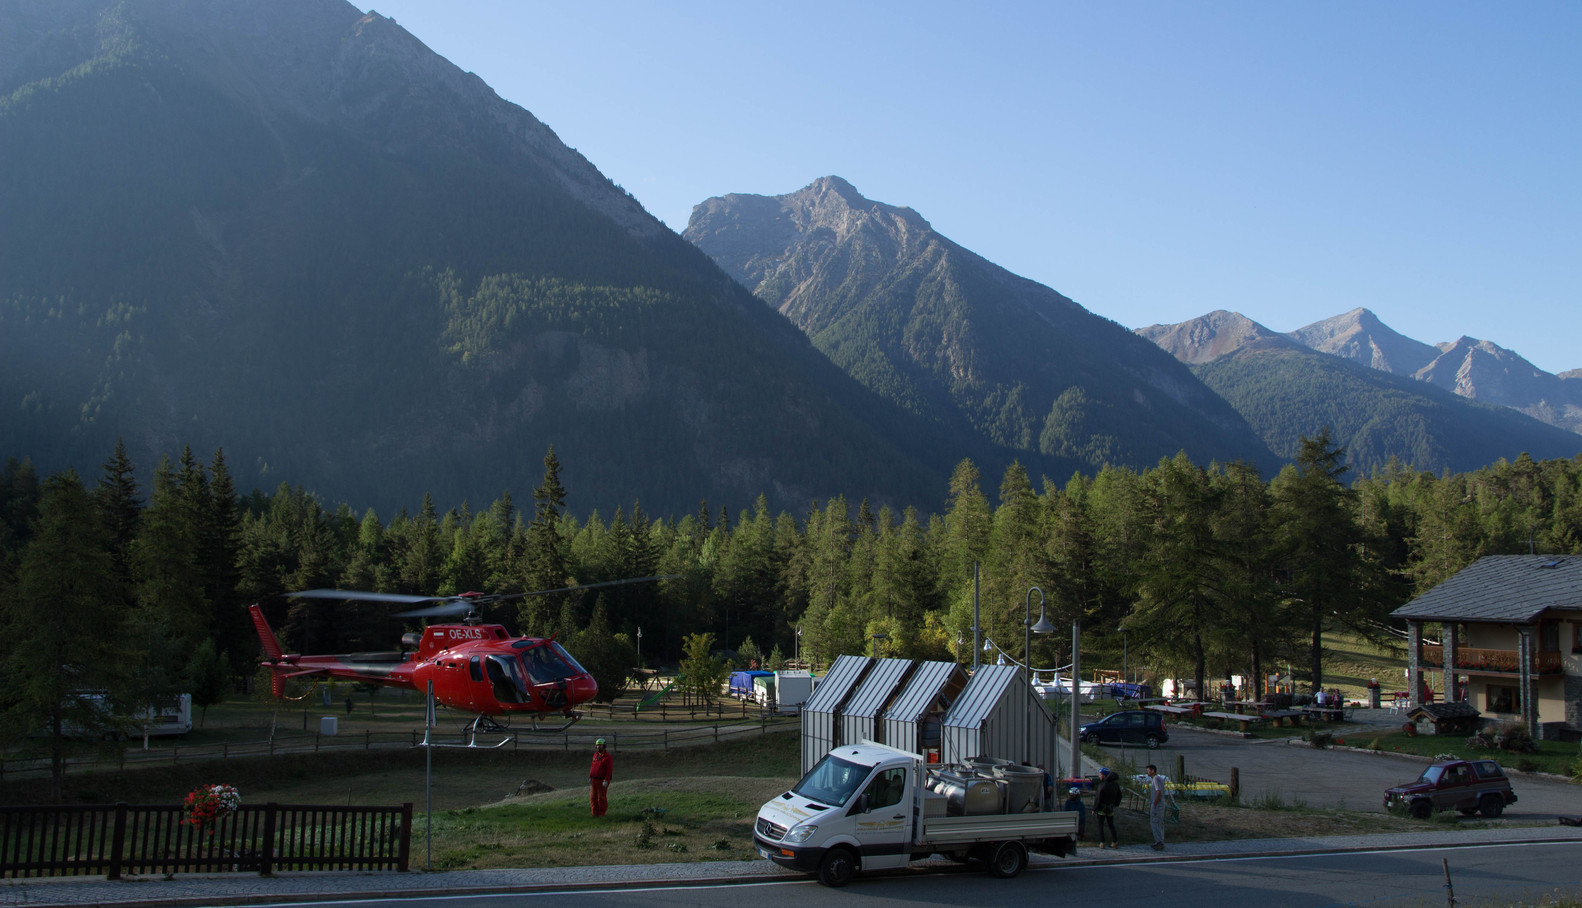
[1281, 716]
[1325, 713]
[1175, 711]
[1243, 706]
[1244, 720]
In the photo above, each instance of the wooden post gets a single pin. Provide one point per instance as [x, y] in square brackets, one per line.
[117, 842]
[266, 857]
[1180, 768]
[1235, 785]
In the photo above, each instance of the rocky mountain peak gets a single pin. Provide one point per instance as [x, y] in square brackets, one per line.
[1209, 337]
[1361, 337]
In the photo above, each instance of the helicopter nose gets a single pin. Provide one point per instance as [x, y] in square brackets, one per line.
[583, 688]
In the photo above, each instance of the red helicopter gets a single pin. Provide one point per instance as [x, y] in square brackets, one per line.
[476, 668]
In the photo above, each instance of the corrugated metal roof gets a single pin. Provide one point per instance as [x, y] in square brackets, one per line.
[836, 684]
[1513, 589]
[918, 697]
[982, 693]
[877, 688]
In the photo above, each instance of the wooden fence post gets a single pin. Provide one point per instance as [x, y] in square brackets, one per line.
[266, 856]
[117, 842]
[404, 854]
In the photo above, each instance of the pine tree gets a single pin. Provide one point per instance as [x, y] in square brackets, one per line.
[60, 621]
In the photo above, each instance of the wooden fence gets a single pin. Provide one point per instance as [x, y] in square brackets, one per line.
[153, 839]
[657, 739]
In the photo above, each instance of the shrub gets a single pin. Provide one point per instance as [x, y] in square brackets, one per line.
[1446, 758]
[1526, 765]
[1374, 745]
[1321, 739]
[1514, 737]
[1576, 770]
[1409, 729]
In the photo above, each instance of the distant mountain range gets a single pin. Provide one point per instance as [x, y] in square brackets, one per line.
[961, 341]
[1355, 375]
[290, 230]
[1474, 369]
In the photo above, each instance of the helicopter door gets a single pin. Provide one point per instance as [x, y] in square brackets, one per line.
[474, 670]
[506, 690]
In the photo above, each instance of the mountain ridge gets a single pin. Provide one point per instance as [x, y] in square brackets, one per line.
[293, 231]
[948, 334]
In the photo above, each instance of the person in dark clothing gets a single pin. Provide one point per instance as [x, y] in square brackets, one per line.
[1074, 802]
[1104, 806]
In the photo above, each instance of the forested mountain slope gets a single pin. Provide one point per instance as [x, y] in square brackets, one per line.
[961, 341]
[1287, 391]
[291, 230]
[1472, 368]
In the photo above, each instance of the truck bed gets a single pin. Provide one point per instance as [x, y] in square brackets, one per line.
[946, 831]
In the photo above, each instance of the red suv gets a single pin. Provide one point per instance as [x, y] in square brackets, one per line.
[1468, 786]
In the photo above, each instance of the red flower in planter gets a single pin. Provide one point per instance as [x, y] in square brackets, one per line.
[206, 804]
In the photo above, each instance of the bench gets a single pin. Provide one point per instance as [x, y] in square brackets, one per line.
[1325, 713]
[1282, 716]
[1244, 721]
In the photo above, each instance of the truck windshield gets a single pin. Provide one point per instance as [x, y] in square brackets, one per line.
[1431, 775]
[833, 781]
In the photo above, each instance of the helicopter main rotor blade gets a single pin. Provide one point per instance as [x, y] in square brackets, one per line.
[442, 610]
[359, 596]
[590, 586]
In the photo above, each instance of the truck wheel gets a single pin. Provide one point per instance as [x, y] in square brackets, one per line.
[837, 868]
[1491, 806]
[1008, 860]
[1152, 741]
[1421, 809]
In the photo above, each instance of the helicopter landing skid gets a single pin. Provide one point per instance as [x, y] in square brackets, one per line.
[487, 726]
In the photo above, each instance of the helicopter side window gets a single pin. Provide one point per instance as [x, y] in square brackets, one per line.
[474, 669]
[507, 686]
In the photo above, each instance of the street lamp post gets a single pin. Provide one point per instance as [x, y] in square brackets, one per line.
[799, 646]
[878, 640]
[1126, 674]
[1043, 627]
[639, 647]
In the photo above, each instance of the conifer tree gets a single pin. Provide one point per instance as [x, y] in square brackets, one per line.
[60, 620]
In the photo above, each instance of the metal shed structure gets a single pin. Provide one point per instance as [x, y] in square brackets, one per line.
[821, 726]
[859, 719]
[913, 721]
[999, 715]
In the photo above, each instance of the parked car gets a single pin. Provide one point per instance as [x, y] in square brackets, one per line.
[1131, 726]
[1468, 786]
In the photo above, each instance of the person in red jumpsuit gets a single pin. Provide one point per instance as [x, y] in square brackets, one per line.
[599, 776]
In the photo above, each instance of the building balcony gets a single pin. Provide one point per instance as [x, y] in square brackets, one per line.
[1490, 661]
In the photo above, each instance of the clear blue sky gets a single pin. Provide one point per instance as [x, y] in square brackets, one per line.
[1154, 161]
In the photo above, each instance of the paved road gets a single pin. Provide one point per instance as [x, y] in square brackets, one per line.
[1335, 777]
[1380, 870]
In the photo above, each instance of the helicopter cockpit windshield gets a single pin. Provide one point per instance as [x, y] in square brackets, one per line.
[547, 662]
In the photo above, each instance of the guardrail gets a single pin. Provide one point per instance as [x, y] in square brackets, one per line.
[114, 840]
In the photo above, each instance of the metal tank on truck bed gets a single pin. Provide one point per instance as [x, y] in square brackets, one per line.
[870, 807]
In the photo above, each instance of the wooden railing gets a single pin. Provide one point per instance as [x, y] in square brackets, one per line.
[153, 839]
[1504, 661]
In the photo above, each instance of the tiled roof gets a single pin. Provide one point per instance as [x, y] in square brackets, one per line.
[1502, 588]
[1456, 710]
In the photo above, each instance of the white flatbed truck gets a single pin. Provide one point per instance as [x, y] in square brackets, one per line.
[870, 807]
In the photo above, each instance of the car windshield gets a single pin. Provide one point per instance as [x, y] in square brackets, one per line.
[833, 781]
[1431, 775]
